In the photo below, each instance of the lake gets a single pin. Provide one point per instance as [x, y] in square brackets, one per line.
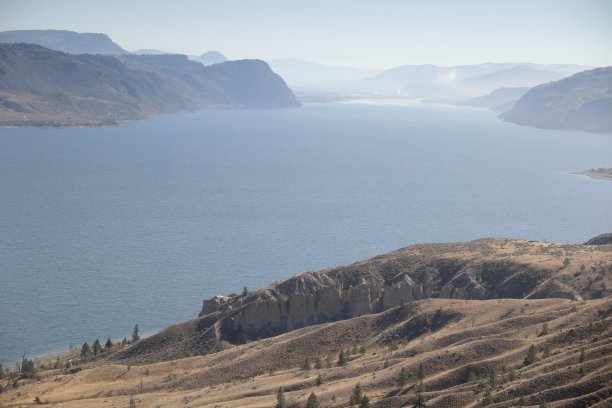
[105, 228]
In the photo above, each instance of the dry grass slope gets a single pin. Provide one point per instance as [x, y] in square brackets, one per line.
[471, 352]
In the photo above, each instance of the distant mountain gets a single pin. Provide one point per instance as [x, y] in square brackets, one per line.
[499, 100]
[210, 58]
[458, 83]
[309, 74]
[151, 51]
[39, 86]
[580, 102]
[66, 41]
[517, 76]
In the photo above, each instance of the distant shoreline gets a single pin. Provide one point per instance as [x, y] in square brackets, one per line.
[597, 174]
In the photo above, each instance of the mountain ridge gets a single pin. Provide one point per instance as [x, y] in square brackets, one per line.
[482, 269]
[582, 101]
[39, 86]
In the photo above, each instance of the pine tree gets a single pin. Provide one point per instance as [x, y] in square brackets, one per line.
[544, 405]
[132, 402]
[365, 402]
[421, 372]
[135, 334]
[356, 396]
[488, 398]
[97, 348]
[27, 368]
[582, 357]
[245, 291]
[341, 359]
[85, 350]
[492, 378]
[544, 331]
[305, 365]
[419, 400]
[2, 373]
[312, 402]
[531, 356]
[280, 398]
[546, 351]
[319, 380]
[108, 345]
[124, 342]
[58, 363]
[402, 377]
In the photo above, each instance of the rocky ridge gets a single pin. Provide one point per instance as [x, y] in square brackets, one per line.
[483, 269]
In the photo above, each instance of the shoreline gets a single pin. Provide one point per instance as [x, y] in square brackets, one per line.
[594, 175]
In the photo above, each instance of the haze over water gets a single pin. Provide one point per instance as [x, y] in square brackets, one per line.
[101, 229]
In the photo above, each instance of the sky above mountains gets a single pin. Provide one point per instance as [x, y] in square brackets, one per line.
[366, 34]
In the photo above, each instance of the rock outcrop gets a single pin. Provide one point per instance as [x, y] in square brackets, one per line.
[484, 269]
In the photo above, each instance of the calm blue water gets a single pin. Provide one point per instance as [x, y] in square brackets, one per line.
[101, 229]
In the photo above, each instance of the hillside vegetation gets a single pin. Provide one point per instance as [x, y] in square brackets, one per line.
[533, 330]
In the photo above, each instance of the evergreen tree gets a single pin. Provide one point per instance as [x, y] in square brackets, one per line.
[402, 377]
[132, 402]
[319, 380]
[546, 352]
[312, 402]
[365, 402]
[305, 365]
[488, 398]
[421, 372]
[318, 364]
[58, 363]
[85, 350]
[2, 373]
[492, 378]
[544, 405]
[27, 368]
[245, 291]
[582, 357]
[97, 348]
[362, 349]
[342, 359]
[356, 396]
[108, 345]
[124, 342]
[280, 399]
[544, 331]
[419, 400]
[135, 334]
[531, 356]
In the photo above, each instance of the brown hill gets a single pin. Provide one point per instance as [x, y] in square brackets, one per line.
[465, 348]
[455, 352]
[483, 269]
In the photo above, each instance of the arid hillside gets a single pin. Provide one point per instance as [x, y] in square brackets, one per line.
[483, 269]
[532, 346]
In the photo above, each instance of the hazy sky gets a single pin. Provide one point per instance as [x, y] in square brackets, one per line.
[374, 33]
